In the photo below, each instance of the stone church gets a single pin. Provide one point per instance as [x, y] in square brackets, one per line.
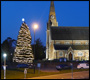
[67, 42]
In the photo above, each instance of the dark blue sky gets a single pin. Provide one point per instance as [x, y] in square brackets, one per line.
[68, 13]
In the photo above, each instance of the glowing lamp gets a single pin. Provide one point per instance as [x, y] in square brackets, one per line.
[4, 55]
[35, 26]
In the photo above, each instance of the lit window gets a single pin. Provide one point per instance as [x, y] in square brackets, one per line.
[57, 42]
[86, 43]
[61, 54]
[67, 42]
[80, 54]
[77, 43]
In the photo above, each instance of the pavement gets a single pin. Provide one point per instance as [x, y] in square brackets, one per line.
[76, 75]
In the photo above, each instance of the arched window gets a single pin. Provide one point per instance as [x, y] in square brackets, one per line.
[86, 43]
[67, 43]
[77, 43]
[57, 42]
[80, 53]
[61, 53]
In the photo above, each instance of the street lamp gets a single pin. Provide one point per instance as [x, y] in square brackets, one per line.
[4, 66]
[71, 69]
[35, 27]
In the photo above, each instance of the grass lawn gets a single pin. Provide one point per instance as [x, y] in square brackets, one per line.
[19, 73]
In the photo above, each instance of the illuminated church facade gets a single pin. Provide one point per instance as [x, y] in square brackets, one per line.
[67, 42]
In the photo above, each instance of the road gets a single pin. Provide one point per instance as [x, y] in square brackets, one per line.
[76, 75]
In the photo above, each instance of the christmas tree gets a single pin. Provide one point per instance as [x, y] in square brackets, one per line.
[23, 50]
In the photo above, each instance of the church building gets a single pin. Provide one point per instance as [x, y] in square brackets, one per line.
[65, 42]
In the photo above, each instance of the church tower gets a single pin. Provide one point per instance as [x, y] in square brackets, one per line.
[52, 16]
[51, 22]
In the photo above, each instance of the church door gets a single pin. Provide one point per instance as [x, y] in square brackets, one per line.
[70, 56]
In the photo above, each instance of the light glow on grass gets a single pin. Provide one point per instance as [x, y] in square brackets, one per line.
[30, 73]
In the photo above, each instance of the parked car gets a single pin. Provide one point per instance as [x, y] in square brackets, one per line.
[82, 65]
[84, 61]
[63, 59]
[63, 66]
[22, 66]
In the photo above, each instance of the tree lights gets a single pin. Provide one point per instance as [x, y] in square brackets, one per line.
[23, 51]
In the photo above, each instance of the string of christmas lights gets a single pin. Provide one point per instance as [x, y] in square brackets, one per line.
[23, 51]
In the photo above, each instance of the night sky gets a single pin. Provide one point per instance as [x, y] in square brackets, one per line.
[68, 13]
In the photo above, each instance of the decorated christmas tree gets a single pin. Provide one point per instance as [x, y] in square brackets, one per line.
[23, 51]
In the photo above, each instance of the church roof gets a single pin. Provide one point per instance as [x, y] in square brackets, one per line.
[74, 47]
[69, 33]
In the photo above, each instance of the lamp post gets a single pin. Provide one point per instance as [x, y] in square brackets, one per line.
[71, 69]
[4, 66]
[35, 27]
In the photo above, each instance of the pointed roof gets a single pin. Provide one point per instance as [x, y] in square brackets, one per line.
[52, 12]
[52, 9]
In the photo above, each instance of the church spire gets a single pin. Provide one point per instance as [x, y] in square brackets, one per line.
[52, 9]
[52, 16]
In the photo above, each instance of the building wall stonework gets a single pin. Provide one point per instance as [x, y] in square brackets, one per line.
[84, 56]
[51, 51]
[47, 44]
[55, 54]
[59, 53]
